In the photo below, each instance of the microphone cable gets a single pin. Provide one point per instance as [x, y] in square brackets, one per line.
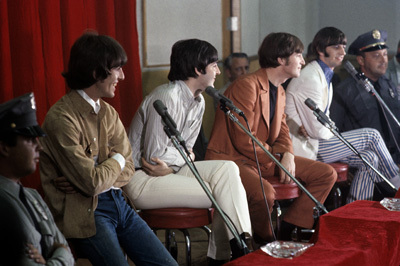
[171, 130]
[260, 177]
[328, 124]
[389, 126]
[194, 166]
[366, 84]
[391, 134]
[359, 155]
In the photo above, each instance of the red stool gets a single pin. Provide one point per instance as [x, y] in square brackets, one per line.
[283, 192]
[342, 170]
[178, 218]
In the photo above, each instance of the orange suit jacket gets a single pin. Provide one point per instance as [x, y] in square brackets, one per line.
[229, 142]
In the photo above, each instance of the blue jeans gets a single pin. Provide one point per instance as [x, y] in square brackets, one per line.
[119, 227]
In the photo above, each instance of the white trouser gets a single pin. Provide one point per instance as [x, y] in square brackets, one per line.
[183, 190]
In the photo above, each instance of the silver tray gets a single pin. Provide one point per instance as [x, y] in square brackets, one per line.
[285, 249]
[392, 204]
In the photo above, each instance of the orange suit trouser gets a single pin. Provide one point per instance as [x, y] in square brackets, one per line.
[318, 178]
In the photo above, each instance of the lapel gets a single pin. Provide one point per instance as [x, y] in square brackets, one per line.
[279, 109]
[326, 94]
[274, 129]
[264, 94]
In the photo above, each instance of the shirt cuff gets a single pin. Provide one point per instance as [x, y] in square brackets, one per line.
[120, 159]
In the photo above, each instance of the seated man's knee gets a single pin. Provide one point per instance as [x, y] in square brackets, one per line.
[373, 134]
[258, 193]
[231, 167]
[371, 158]
[331, 173]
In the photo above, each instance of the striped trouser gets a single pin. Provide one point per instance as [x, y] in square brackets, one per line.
[369, 143]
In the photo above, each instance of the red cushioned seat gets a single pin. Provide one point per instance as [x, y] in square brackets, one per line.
[342, 170]
[178, 218]
[284, 191]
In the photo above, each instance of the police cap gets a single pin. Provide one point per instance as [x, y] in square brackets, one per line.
[368, 42]
[19, 116]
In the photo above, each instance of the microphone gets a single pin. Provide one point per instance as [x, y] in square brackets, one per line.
[321, 116]
[359, 77]
[223, 100]
[162, 111]
[167, 120]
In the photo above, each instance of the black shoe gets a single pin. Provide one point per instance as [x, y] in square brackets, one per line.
[382, 190]
[258, 241]
[236, 249]
[286, 231]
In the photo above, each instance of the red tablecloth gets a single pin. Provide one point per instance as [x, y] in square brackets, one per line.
[360, 233]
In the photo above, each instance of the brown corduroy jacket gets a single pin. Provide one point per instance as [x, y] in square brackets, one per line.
[75, 134]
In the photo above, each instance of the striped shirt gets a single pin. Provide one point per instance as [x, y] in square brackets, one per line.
[146, 132]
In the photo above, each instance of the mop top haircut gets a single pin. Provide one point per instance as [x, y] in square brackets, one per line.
[91, 59]
[278, 45]
[189, 55]
[326, 37]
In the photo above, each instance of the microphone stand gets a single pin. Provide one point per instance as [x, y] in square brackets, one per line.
[318, 206]
[379, 98]
[172, 135]
[333, 129]
[366, 84]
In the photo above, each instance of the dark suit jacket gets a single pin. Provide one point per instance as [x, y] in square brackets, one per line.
[229, 142]
[391, 72]
[353, 108]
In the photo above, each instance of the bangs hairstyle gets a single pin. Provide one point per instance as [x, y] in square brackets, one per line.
[278, 45]
[326, 37]
[91, 59]
[188, 55]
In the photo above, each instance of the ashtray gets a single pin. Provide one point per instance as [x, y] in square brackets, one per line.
[285, 249]
[392, 204]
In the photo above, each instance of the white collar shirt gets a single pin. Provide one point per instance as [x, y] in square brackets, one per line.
[146, 132]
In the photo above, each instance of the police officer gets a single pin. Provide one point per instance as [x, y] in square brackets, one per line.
[393, 71]
[35, 236]
[354, 107]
